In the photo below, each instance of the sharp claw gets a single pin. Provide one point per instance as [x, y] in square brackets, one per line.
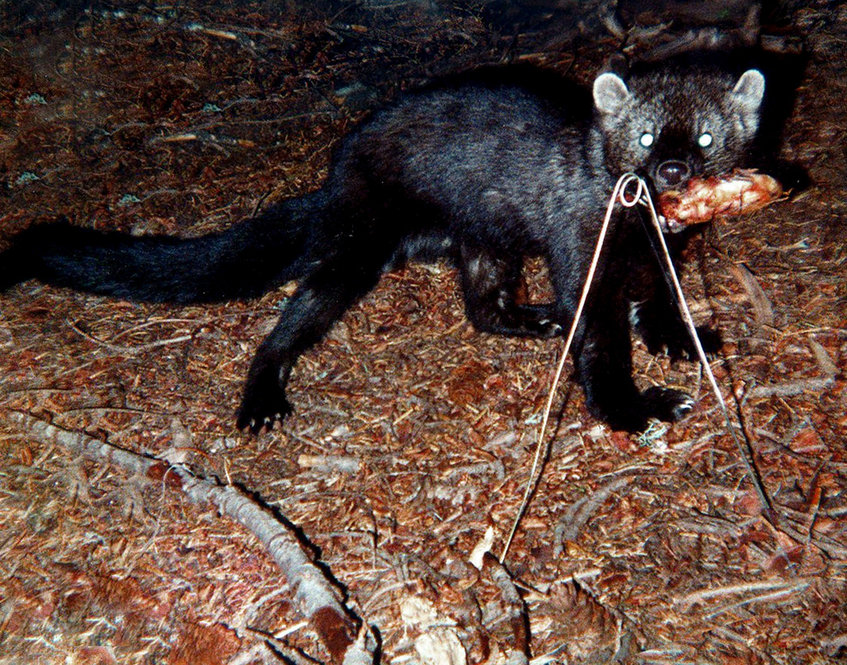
[258, 414]
[683, 408]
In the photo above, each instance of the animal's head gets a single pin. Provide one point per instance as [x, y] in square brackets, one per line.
[674, 124]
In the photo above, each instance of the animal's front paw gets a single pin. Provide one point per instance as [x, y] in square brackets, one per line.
[666, 403]
[545, 328]
[633, 412]
[679, 345]
[264, 403]
[537, 320]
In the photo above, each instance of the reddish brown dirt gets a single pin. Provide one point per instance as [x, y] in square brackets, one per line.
[413, 435]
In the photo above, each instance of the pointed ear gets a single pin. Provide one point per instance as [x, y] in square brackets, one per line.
[749, 90]
[610, 93]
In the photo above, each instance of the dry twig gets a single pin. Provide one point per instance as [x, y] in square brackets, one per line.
[516, 609]
[317, 597]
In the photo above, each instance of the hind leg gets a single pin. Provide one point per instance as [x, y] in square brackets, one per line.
[337, 282]
[489, 284]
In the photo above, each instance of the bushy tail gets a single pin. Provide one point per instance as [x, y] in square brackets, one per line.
[243, 262]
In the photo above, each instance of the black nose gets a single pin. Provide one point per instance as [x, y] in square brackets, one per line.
[671, 172]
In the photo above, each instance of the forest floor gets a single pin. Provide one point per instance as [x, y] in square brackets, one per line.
[413, 436]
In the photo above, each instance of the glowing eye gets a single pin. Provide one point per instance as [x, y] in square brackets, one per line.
[646, 140]
[705, 140]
